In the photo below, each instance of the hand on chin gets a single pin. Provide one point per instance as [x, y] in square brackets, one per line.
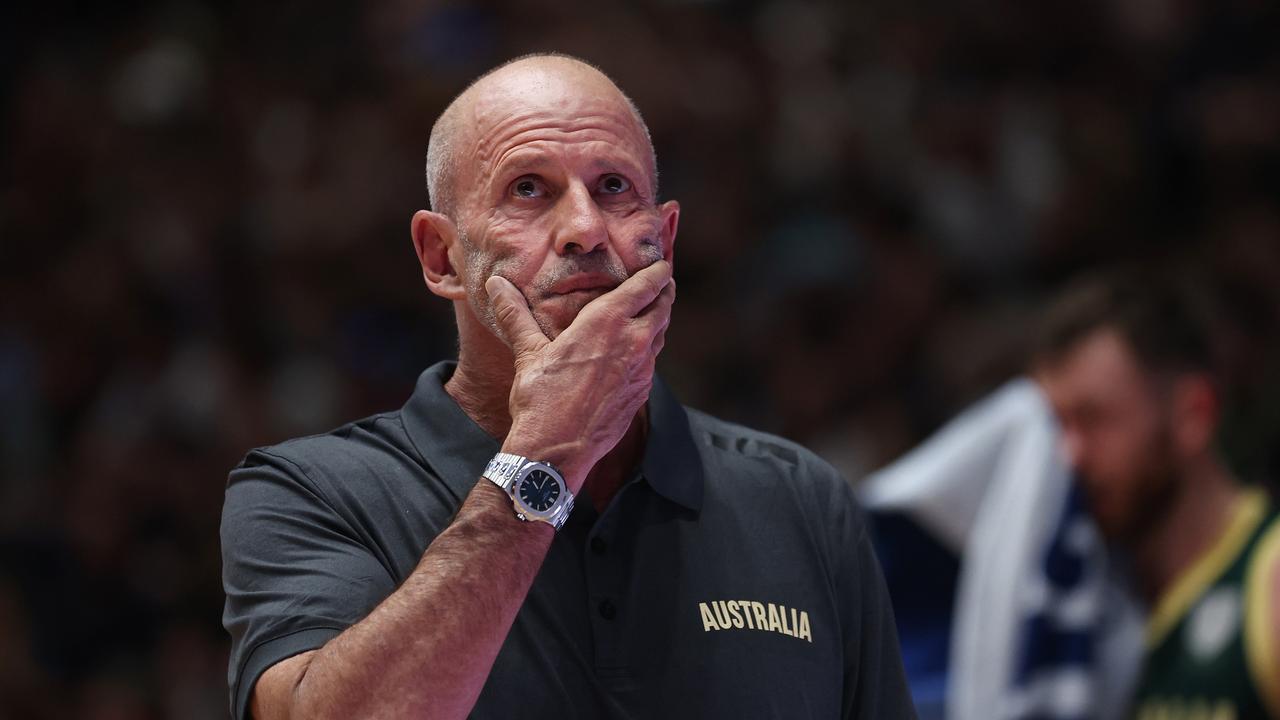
[557, 312]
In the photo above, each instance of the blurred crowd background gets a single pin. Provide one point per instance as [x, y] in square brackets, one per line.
[204, 214]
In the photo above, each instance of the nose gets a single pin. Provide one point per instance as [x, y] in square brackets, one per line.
[580, 227]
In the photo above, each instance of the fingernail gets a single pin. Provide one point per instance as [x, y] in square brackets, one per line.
[491, 286]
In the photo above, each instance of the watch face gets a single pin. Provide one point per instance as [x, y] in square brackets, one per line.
[539, 491]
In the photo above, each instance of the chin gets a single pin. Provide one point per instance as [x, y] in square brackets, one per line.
[1112, 522]
[1113, 530]
[552, 324]
[1124, 523]
[556, 314]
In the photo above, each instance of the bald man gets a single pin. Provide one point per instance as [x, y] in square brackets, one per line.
[543, 531]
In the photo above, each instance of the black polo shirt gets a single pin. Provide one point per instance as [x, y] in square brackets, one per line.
[731, 578]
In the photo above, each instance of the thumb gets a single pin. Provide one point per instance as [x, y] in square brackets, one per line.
[511, 313]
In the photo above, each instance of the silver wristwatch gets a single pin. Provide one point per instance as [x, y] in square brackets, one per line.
[536, 488]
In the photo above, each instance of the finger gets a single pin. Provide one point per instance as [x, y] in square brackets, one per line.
[661, 304]
[654, 320]
[638, 291]
[514, 320]
[659, 342]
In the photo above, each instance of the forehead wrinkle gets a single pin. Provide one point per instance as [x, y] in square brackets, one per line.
[576, 145]
[566, 109]
[493, 152]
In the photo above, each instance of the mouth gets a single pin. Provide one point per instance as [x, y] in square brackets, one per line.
[594, 283]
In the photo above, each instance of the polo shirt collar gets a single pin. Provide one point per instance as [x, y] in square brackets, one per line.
[671, 464]
[448, 440]
[458, 449]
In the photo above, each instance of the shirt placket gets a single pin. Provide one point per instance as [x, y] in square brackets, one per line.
[606, 577]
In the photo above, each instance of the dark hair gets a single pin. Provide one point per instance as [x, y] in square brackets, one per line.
[1163, 319]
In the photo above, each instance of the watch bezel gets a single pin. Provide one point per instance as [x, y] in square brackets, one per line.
[559, 509]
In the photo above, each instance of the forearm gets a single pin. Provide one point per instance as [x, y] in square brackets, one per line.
[427, 649]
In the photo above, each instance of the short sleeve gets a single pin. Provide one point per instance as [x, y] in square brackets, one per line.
[875, 684]
[294, 573]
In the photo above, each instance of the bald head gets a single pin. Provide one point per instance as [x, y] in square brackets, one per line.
[510, 85]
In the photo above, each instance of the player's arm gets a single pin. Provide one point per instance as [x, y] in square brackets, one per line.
[427, 649]
[1262, 618]
[1270, 683]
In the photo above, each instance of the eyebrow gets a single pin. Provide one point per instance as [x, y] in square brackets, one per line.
[519, 165]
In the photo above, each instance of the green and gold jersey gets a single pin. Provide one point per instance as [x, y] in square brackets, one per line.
[1210, 653]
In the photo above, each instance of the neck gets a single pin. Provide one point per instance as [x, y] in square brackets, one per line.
[616, 467]
[1196, 518]
[481, 385]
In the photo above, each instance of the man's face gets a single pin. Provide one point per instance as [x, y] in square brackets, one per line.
[555, 193]
[1115, 430]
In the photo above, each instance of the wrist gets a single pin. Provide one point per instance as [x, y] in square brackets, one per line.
[489, 505]
[562, 456]
[538, 490]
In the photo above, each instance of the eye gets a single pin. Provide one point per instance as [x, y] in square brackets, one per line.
[528, 187]
[614, 184]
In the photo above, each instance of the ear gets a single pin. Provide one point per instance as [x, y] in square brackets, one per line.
[669, 211]
[1195, 414]
[434, 237]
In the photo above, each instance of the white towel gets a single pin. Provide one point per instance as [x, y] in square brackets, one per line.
[991, 485]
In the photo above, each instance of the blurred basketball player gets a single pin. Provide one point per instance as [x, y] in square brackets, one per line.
[1126, 363]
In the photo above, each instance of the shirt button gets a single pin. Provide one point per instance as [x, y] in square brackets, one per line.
[607, 609]
[598, 546]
